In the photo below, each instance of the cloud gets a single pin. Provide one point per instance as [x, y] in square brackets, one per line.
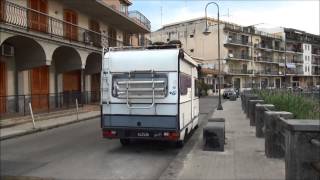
[302, 15]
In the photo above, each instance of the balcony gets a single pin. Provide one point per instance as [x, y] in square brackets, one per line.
[315, 61]
[108, 14]
[295, 71]
[239, 56]
[32, 20]
[239, 71]
[263, 47]
[140, 18]
[239, 42]
[315, 71]
[236, 28]
[266, 59]
[267, 72]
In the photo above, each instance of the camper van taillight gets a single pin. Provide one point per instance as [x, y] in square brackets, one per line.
[171, 135]
[109, 134]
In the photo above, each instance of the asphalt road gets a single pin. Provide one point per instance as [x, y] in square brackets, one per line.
[77, 151]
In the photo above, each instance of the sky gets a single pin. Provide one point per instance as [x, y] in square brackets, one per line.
[302, 15]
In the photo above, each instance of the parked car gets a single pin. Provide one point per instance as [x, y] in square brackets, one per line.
[228, 92]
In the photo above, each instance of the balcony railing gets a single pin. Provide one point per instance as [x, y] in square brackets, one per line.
[315, 71]
[238, 41]
[294, 71]
[239, 56]
[140, 18]
[266, 59]
[236, 28]
[263, 46]
[315, 61]
[240, 71]
[30, 19]
[267, 72]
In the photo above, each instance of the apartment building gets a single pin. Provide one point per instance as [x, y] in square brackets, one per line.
[303, 58]
[249, 58]
[51, 49]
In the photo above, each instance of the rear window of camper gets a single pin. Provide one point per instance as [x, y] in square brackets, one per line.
[185, 83]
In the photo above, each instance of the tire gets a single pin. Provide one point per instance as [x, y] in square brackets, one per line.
[180, 143]
[125, 142]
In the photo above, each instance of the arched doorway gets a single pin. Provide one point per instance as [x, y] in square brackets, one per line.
[92, 72]
[27, 78]
[3, 86]
[68, 69]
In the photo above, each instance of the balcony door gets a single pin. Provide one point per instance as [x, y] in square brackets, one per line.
[3, 86]
[37, 20]
[2, 10]
[112, 33]
[70, 28]
[95, 36]
[40, 88]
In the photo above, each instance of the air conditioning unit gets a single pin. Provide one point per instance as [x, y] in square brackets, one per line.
[231, 55]
[87, 38]
[7, 50]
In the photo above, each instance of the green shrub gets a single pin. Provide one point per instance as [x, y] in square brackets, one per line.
[301, 106]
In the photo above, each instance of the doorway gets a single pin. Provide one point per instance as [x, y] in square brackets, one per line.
[40, 88]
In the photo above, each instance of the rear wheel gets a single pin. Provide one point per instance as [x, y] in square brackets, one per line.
[125, 142]
[180, 143]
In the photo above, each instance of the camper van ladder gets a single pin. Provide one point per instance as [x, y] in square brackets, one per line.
[129, 82]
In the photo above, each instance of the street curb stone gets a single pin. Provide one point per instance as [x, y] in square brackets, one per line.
[31, 131]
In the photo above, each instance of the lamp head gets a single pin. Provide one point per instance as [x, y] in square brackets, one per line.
[206, 31]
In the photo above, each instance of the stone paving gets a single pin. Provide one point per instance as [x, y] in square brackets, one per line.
[243, 158]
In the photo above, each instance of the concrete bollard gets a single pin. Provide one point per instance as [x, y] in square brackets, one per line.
[251, 110]
[233, 98]
[214, 134]
[273, 138]
[302, 149]
[246, 103]
[259, 120]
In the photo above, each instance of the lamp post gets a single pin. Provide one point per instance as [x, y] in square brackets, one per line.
[206, 32]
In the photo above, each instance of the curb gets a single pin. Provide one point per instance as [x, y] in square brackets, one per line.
[31, 131]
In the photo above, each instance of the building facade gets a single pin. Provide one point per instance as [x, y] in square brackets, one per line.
[249, 58]
[51, 49]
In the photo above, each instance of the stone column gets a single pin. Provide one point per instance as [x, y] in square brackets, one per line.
[259, 120]
[251, 110]
[302, 149]
[274, 138]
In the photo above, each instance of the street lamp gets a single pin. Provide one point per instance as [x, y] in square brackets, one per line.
[207, 32]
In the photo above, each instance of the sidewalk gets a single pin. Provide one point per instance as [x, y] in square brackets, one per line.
[41, 123]
[243, 157]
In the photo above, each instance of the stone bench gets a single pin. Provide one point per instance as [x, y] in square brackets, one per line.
[214, 134]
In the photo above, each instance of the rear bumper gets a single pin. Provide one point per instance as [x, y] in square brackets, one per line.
[141, 133]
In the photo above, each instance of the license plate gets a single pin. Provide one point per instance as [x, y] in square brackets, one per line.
[143, 134]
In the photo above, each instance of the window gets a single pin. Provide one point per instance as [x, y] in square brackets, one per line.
[305, 69]
[196, 88]
[185, 83]
[191, 35]
[123, 8]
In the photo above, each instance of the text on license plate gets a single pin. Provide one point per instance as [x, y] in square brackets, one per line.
[143, 134]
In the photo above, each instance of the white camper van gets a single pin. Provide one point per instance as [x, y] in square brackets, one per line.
[149, 93]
